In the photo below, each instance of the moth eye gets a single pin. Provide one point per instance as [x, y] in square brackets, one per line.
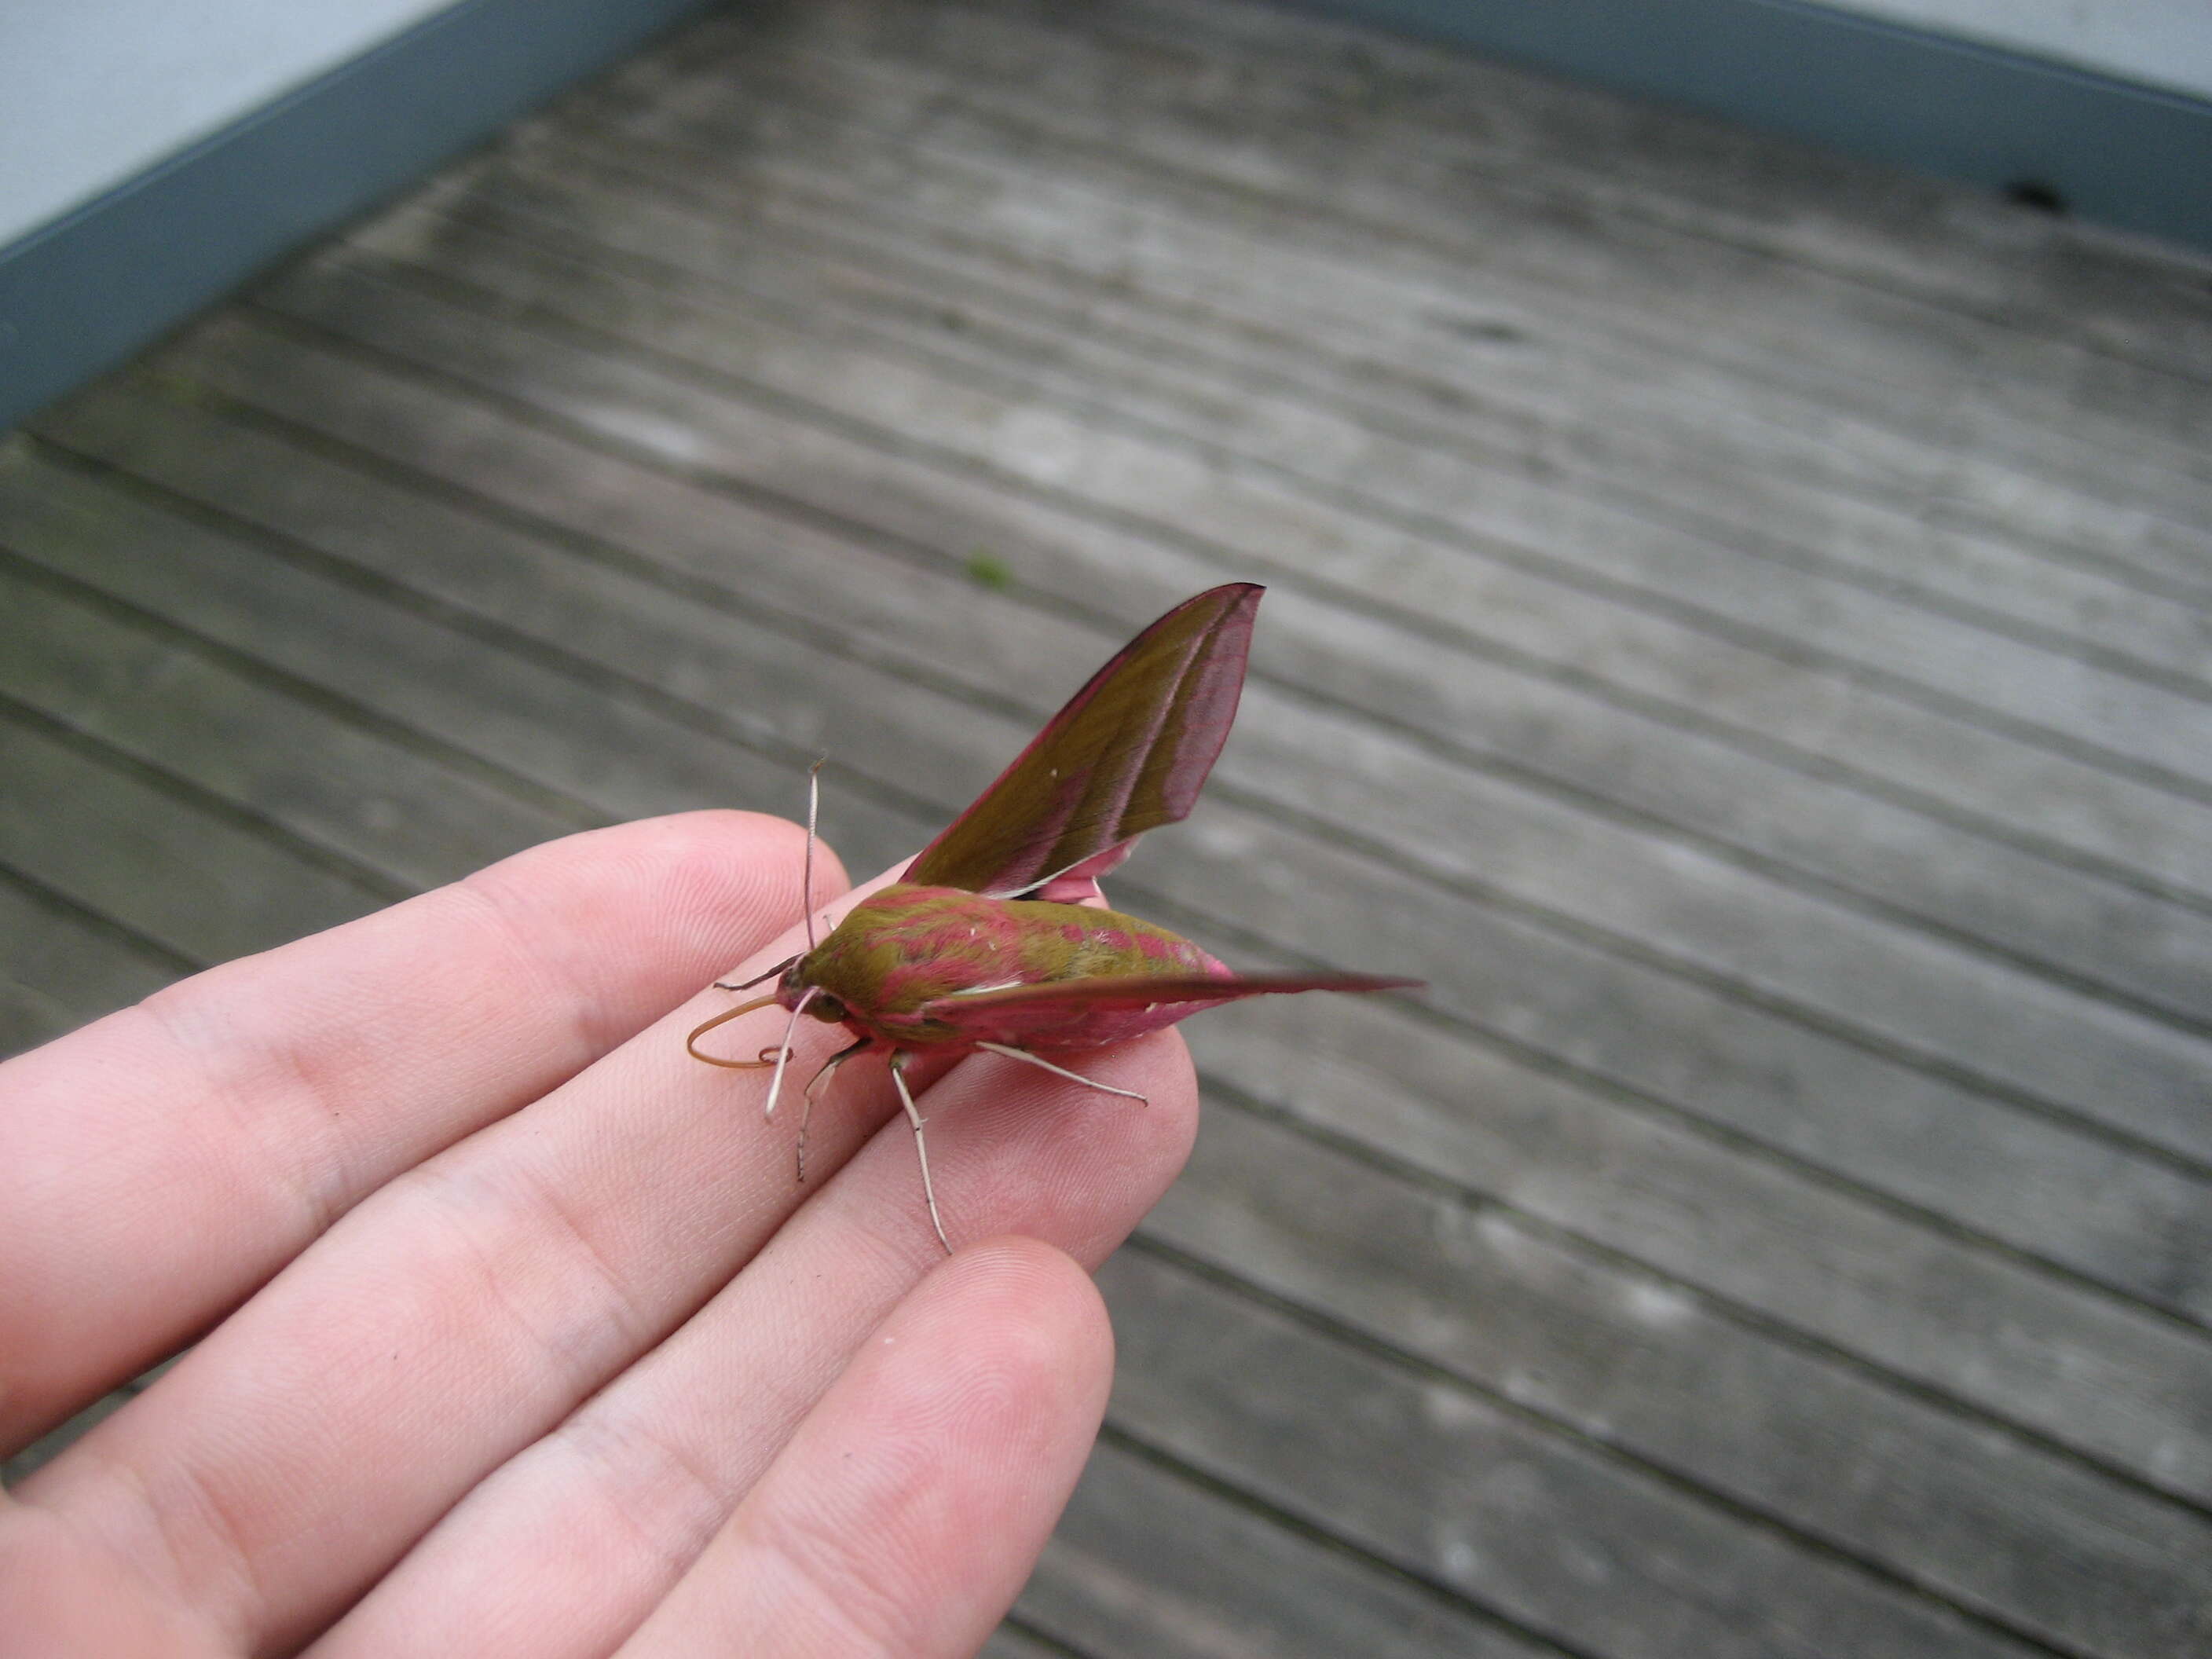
[826, 1008]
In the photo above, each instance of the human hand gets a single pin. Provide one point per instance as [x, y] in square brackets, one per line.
[520, 1336]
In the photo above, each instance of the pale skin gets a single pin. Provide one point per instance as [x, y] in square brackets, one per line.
[515, 1334]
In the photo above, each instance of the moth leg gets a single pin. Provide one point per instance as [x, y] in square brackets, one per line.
[1061, 1070]
[783, 1054]
[913, 1116]
[815, 1086]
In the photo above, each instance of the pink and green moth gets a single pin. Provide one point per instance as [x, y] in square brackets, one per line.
[984, 942]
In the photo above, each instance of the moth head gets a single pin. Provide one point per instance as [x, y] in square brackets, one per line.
[798, 980]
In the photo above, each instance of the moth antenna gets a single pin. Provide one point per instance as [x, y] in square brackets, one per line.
[783, 1055]
[813, 808]
[815, 1089]
[913, 1116]
[691, 1042]
[1061, 1070]
[757, 979]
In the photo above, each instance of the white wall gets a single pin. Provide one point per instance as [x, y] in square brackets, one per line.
[2164, 43]
[94, 91]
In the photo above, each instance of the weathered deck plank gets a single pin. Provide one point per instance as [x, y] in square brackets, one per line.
[1740, 629]
[1532, 304]
[529, 585]
[1787, 823]
[1219, 507]
[1010, 1642]
[194, 877]
[65, 965]
[1475, 1495]
[630, 398]
[1375, 162]
[1495, 399]
[255, 475]
[1591, 560]
[1149, 1561]
[1304, 89]
[1759, 698]
[570, 192]
[166, 702]
[1414, 222]
[410, 420]
[1638, 1363]
[2183, 981]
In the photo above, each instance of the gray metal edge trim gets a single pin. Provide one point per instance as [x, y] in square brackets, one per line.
[2131, 156]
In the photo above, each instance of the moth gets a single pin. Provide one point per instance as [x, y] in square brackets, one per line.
[984, 943]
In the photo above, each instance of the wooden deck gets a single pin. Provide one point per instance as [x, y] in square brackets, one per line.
[1740, 627]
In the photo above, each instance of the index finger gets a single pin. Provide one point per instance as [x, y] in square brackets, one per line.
[160, 1164]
